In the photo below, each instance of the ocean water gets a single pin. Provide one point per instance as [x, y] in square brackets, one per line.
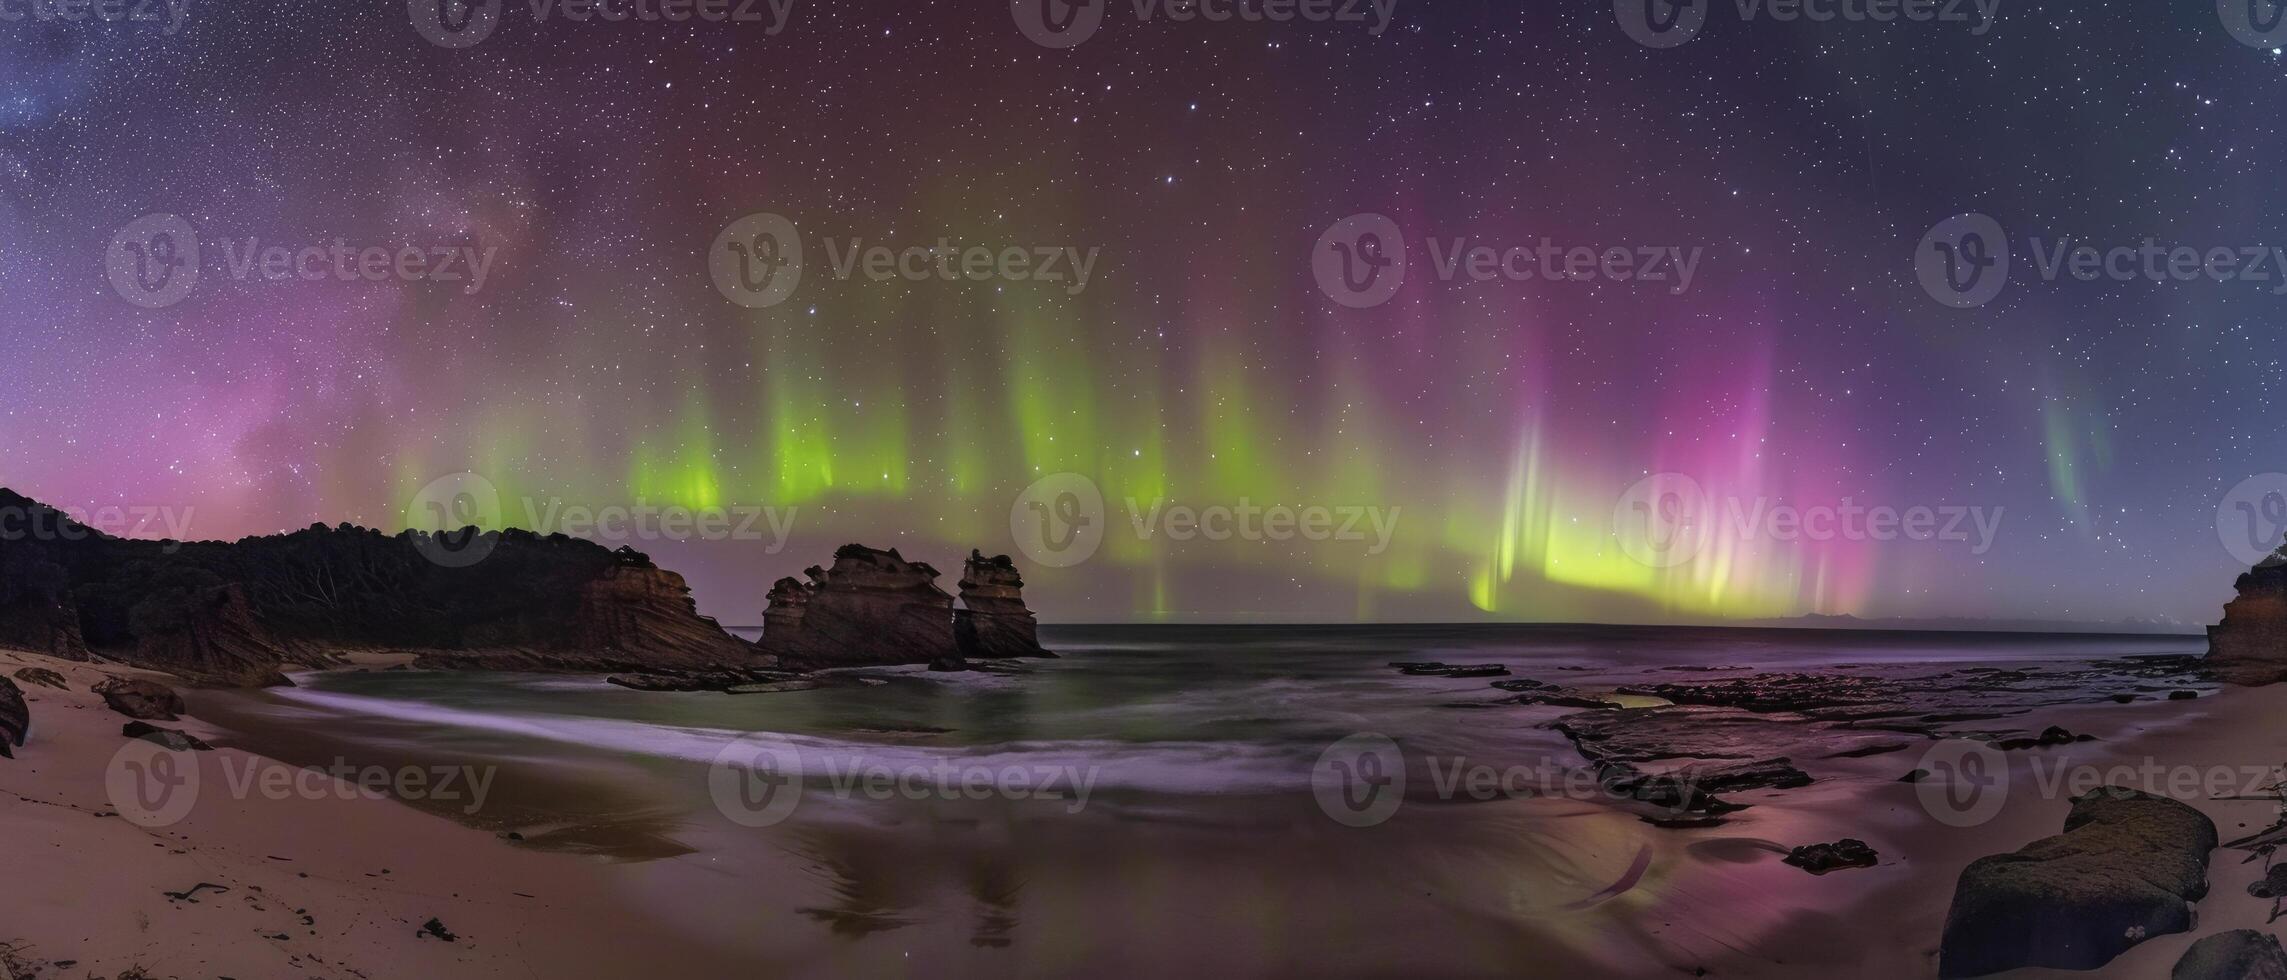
[1181, 761]
[1174, 708]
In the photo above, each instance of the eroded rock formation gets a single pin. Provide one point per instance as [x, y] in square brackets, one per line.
[2250, 645]
[875, 607]
[210, 637]
[993, 622]
[871, 607]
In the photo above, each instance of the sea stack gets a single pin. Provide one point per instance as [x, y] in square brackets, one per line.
[873, 607]
[2250, 645]
[992, 622]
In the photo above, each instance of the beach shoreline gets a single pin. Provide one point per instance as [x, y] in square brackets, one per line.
[371, 870]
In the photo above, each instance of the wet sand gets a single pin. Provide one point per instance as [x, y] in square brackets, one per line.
[610, 881]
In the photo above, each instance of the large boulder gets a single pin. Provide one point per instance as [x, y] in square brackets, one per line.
[2241, 954]
[141, 699]
[15, 718]
[42, 677]
[2127, 868]
[993, 622]
[872, 607]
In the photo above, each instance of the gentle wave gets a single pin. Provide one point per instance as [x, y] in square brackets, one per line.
[1170, 767]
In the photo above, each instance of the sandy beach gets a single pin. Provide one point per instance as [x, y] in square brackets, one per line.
[335, 885]
[324, 880]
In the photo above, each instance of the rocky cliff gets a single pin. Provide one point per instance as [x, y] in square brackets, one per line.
[2250, 645]
[36, 611]
[232, 613]
[871, 607]
[993, 621]
[875, 607]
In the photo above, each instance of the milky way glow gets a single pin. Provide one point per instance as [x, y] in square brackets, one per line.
[1496, 423]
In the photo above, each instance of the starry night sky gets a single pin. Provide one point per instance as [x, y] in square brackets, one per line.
[2107, 421]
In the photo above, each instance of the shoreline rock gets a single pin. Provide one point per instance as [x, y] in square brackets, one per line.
[140, 699]
[876, 608]
[992, 622]
[2249, 646]
[1819, 859]
[15, 718]
[2241, 954]
[2127, 867]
